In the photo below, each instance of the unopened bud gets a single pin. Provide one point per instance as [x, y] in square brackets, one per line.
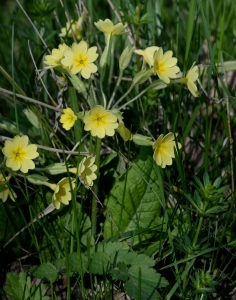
[142, 76]
[142, 140]
[125, 57]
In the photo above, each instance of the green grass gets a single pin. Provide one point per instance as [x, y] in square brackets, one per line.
[140, 230]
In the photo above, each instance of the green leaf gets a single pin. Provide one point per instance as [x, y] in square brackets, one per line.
[134, 201]
[74, 262]
[100, 263]
[120, 272]
[108, 159]
[63, 229]
[107, 248]
[18, 288]
[148, 276]
[45, 271]
[147, 292]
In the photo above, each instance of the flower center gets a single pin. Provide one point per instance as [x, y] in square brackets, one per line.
[19, 154]
[99, 119]
[81, 61]
[159, 67]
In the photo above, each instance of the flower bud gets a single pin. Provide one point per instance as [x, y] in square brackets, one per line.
[78, 84]
[37, 179]
[125, 57]
[31, 116]
[142, 140]
[104, 57]
[56, 168]
[142, 76]
[124, 132]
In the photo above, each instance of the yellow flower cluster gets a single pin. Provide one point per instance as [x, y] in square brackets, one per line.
[164, 65]
[77, 59]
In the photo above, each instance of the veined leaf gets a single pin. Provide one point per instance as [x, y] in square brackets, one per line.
[134, 201]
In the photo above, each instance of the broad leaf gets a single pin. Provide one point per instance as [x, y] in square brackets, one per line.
[133, 202]
[100, 263]
[146, 291]
[45, 271]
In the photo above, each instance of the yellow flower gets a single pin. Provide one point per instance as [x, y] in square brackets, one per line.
[68, 118]
[72, 28]
[62, 191]
[165, 65]
[54, 60]
[19, 154]
[191, 77]
[164, 149]
[108, 28]
[86, 171]
[124, 132]
[6, 191]
[147, 54]
[100, 122]
[80, 59]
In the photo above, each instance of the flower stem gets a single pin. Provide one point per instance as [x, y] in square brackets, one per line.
[115, 90]
[129, 90]
[135, 98]
[95, 189]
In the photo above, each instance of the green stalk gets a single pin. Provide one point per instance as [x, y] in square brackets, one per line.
[129, 90]
[137, 36]
[78, 130]
[13, 80]
[132, 100]
[185, 281]
[115, 89]
[95, 189]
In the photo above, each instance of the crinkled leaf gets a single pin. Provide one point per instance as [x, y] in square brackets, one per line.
[74, 262]
[120, 272]
[45, 271]
[18, 288]
[100, 263]
[147, 292]
[131, 258]
[133, 202]
[148, 276]
[107, 248]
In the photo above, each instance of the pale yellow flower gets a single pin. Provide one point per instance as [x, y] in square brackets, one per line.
[68, 118]
[124, 132]
[73, 28]
[164, 149]
[165, 65]
[147, 54]
[54, 60]
[86, 171]
[108, 28]
[19, 154]
[6, 191]
[62, 191]
[80, 59]
[100, 122]
[191, 78]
